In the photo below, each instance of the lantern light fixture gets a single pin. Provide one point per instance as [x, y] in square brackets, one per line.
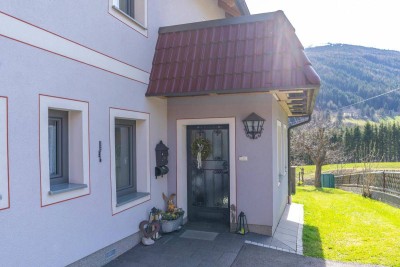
[253, 126]
[242, 226]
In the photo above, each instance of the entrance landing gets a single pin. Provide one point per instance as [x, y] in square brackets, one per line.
[227, 249]
[288, 234]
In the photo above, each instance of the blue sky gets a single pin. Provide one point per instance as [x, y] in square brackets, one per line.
[317, 22]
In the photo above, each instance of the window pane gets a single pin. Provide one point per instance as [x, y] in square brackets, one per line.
[123, 157]
[58, 146]
[127, 6]
[54, 129]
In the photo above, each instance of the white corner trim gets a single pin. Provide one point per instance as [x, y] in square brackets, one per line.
[78, 139]
[142, 158]
[181, 157]
[4, 179]
[32, 35]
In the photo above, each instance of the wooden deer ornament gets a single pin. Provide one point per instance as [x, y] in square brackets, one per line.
[170, 202]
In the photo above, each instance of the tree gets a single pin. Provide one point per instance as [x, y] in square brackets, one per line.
[316, 141]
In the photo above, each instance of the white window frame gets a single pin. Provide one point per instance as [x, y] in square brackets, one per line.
[78, 149]
[279, 151]
[285, 149]
[142, 157]
[139, 26]
[4, 173]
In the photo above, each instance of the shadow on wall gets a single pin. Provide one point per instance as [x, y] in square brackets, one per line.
[312, 244]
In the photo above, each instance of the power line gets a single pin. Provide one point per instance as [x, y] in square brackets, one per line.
[365, 100]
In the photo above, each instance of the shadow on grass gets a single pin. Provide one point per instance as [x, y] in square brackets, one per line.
[312, 189]
[312, 243]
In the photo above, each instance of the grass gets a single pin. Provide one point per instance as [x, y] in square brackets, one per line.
[346, 227]
[309, 170]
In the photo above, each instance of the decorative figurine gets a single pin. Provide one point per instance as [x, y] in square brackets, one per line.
[146, 229]
[170, 202]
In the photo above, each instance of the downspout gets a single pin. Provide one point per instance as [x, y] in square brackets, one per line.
[289, 168]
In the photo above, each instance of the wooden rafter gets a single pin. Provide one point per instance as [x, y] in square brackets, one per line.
[230, 7]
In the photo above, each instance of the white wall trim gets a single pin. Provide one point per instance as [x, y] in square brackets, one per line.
[181, 157]
[4, 178]
[78, 146]
[142, 156]
[27, 33]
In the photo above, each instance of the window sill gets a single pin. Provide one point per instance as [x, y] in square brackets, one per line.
[137, 23]
[62, 188]
[122, 200]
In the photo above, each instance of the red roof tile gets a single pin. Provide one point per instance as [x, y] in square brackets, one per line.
[244, 54]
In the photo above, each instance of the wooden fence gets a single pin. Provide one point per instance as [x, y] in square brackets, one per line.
[384, 181]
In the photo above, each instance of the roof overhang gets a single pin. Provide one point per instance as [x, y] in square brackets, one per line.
[234, 8]
[248, 54]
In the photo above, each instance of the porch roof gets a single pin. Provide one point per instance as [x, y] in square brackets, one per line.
[246, 54]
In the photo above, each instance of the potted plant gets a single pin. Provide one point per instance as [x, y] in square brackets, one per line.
[172, 220]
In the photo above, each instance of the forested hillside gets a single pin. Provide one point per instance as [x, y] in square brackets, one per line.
[350, 74]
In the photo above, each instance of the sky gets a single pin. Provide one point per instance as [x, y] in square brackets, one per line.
[371, 23]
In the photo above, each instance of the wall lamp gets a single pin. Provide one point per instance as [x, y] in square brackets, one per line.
[253, 126]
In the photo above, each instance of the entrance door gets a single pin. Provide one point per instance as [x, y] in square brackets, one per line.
[208, 173]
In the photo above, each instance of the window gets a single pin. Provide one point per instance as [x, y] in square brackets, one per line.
[282, 151]
[125, 159]
[285, 149]
[58, 147]
[64, 149]
[279, 151]
[130, 167]
[128, 7]
[131, 12]
[4, 181]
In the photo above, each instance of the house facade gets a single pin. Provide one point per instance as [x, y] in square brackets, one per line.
[88, 91]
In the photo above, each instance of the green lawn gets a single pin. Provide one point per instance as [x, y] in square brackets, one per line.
[346, 227]
[309, 170]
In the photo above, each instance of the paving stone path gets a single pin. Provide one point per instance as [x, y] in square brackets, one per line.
[218, 247]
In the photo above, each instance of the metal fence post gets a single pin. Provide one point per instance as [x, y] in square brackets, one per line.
[384, 181]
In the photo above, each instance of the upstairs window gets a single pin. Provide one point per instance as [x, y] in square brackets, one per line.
[128, 7]
[131, 12]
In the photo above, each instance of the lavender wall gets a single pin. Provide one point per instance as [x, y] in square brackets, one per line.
[90, 24]
[254, 177]
[65, 232]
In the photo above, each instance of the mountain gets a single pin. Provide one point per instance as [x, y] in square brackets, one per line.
[350, 74]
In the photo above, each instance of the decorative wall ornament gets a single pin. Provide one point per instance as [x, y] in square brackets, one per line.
[201, 149]
[161, 168]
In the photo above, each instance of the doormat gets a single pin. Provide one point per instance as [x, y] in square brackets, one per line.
[202, 235]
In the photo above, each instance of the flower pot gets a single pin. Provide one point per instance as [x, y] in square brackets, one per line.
[172, 225]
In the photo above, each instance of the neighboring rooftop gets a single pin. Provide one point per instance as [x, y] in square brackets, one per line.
[246, 54]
